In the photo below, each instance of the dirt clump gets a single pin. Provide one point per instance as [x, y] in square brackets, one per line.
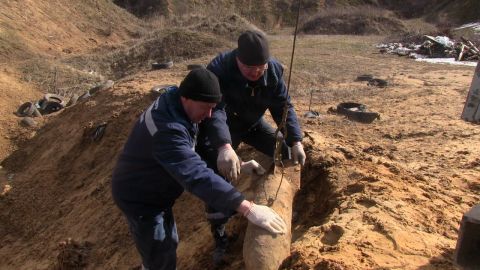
[72, 255]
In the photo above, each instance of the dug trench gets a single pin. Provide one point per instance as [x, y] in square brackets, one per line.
[312, 205]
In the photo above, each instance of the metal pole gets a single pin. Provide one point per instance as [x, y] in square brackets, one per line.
[278, 144]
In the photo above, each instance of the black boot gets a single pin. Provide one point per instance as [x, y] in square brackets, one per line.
[221, 243]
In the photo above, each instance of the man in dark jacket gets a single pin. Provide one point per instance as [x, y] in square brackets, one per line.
[251, 82]
[158, 163]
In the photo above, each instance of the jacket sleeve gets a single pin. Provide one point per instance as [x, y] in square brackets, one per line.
[294, 133]
[216, 126]
[172, 150]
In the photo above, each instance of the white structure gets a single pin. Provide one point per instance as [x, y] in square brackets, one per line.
[471, 111]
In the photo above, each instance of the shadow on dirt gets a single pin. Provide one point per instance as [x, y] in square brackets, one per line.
[443, 261]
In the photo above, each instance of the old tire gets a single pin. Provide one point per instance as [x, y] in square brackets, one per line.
[72, 101]
[163, 65]
[26, 109]
[357, 112]
[195, 66]
[102, 87]
[84, 96]
[51, 107]
[49, 100]
[378, 83]
[55, 98]
[364, 78]
[157, 90]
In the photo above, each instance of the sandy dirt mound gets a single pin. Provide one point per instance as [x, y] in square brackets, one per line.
[59, 188]
[354, 21]
[384, 195]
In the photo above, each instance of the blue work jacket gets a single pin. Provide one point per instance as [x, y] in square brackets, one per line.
[244, 103]
[158, 163]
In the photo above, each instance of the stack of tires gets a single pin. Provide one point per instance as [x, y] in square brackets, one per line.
[51, 103]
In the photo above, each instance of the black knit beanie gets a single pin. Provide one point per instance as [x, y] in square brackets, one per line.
[201, 85]
[253, 48]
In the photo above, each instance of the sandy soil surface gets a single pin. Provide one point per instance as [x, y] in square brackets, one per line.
[12, 95]
[385, 195]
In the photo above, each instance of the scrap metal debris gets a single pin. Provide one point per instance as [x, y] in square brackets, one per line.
[99, 131]
[435, 47]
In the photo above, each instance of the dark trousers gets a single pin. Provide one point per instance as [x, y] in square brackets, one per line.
[261, 136]
[156, 239]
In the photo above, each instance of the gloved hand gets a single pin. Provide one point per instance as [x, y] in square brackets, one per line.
[228, 163]
[298, 154]
[252, 166]
[264, 216]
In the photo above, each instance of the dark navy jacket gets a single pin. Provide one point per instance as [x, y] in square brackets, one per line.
[244, 102]
[158, 162]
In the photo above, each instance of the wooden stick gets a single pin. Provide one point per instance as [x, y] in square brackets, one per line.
[460, 55]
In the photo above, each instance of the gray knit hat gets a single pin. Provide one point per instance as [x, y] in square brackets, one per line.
[253, 48]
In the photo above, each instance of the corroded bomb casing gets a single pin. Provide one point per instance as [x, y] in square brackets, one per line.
[467, 252]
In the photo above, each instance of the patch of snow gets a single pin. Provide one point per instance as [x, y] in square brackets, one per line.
[474, 26]
[450, 61]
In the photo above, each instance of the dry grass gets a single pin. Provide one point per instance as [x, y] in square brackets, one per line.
[12, 46]
[229, 26]
[172, 44]
[320, 61]
[58, 78]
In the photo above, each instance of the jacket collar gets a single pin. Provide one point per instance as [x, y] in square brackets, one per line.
[175, 108]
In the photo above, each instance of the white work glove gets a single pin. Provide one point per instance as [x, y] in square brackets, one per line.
[298, 154]
[251, 167]
[264, 216]
[228, 163]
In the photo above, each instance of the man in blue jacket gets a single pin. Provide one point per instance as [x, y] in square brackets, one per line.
[251, 82]
[158, 163]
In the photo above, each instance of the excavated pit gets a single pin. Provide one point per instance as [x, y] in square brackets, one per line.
[312, 206]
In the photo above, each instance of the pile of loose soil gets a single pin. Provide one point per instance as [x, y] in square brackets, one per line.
[61, 184]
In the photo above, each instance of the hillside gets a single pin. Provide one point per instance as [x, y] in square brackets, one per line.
[278, 13]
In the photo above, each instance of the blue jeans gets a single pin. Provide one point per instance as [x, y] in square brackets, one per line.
[156, 239]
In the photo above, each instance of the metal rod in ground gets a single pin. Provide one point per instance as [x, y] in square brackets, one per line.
[310, 104]
[281, 127]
